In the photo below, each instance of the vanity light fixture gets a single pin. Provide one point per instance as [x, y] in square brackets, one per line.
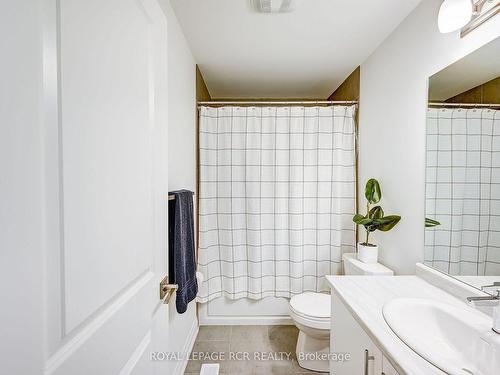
[482, 11]
[454, 14]
[465, 14]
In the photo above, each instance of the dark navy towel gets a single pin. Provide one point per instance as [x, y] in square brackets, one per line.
[182, 263]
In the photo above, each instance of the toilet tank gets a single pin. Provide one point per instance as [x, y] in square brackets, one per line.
[353, 266]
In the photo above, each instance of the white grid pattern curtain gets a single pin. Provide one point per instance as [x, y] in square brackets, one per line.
[463, 190]
[277, 195]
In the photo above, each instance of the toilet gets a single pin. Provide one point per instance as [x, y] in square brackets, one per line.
[310, 312]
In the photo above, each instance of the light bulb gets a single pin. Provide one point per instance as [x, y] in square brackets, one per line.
[454, 14]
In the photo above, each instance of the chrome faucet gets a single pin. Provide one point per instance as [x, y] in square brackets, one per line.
[491, 300]
[493, 297]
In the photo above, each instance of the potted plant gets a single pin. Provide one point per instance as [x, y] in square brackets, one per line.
[372, 221]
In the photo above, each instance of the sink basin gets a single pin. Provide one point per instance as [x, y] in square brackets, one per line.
[457, 340]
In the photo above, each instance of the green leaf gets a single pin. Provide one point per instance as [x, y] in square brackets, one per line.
[388, 222]
[373, 193]
[429, 223]
[361, 220]
[366, 221]
[357, 218]
[376, 213]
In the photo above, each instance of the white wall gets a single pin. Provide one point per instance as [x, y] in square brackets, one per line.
[21, 280]
[181, 106]
[181, 149]
[392, 122]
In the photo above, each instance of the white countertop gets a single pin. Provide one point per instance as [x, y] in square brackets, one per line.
[364, 297]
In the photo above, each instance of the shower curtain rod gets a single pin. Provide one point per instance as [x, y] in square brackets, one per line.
[440, 104]
[255, 102]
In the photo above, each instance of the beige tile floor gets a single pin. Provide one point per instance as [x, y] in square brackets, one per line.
[251, 340]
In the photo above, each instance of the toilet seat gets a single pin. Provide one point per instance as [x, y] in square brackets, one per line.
[311, 309]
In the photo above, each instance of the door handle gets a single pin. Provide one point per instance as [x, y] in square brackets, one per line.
[368, 358]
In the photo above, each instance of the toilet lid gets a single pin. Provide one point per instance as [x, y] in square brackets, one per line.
[312, 304]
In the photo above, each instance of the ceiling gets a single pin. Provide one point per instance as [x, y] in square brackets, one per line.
[305, 53]
[473, 70]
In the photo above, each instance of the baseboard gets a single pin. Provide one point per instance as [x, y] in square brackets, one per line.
[187, 348]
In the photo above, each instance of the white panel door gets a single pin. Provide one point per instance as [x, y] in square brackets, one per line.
[106, 194]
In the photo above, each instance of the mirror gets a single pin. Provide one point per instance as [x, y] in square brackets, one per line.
[462, 191]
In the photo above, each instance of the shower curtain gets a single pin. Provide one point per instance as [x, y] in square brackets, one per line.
[277, 196]
[463, 190]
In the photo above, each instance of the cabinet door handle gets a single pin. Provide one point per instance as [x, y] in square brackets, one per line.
[368, 358]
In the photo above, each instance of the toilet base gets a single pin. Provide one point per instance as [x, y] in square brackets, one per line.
[312, 353]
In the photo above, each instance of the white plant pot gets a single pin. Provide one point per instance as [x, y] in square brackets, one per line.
[367, 254]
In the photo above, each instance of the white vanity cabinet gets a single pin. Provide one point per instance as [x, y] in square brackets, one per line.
[387, 368]
[347, 337]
